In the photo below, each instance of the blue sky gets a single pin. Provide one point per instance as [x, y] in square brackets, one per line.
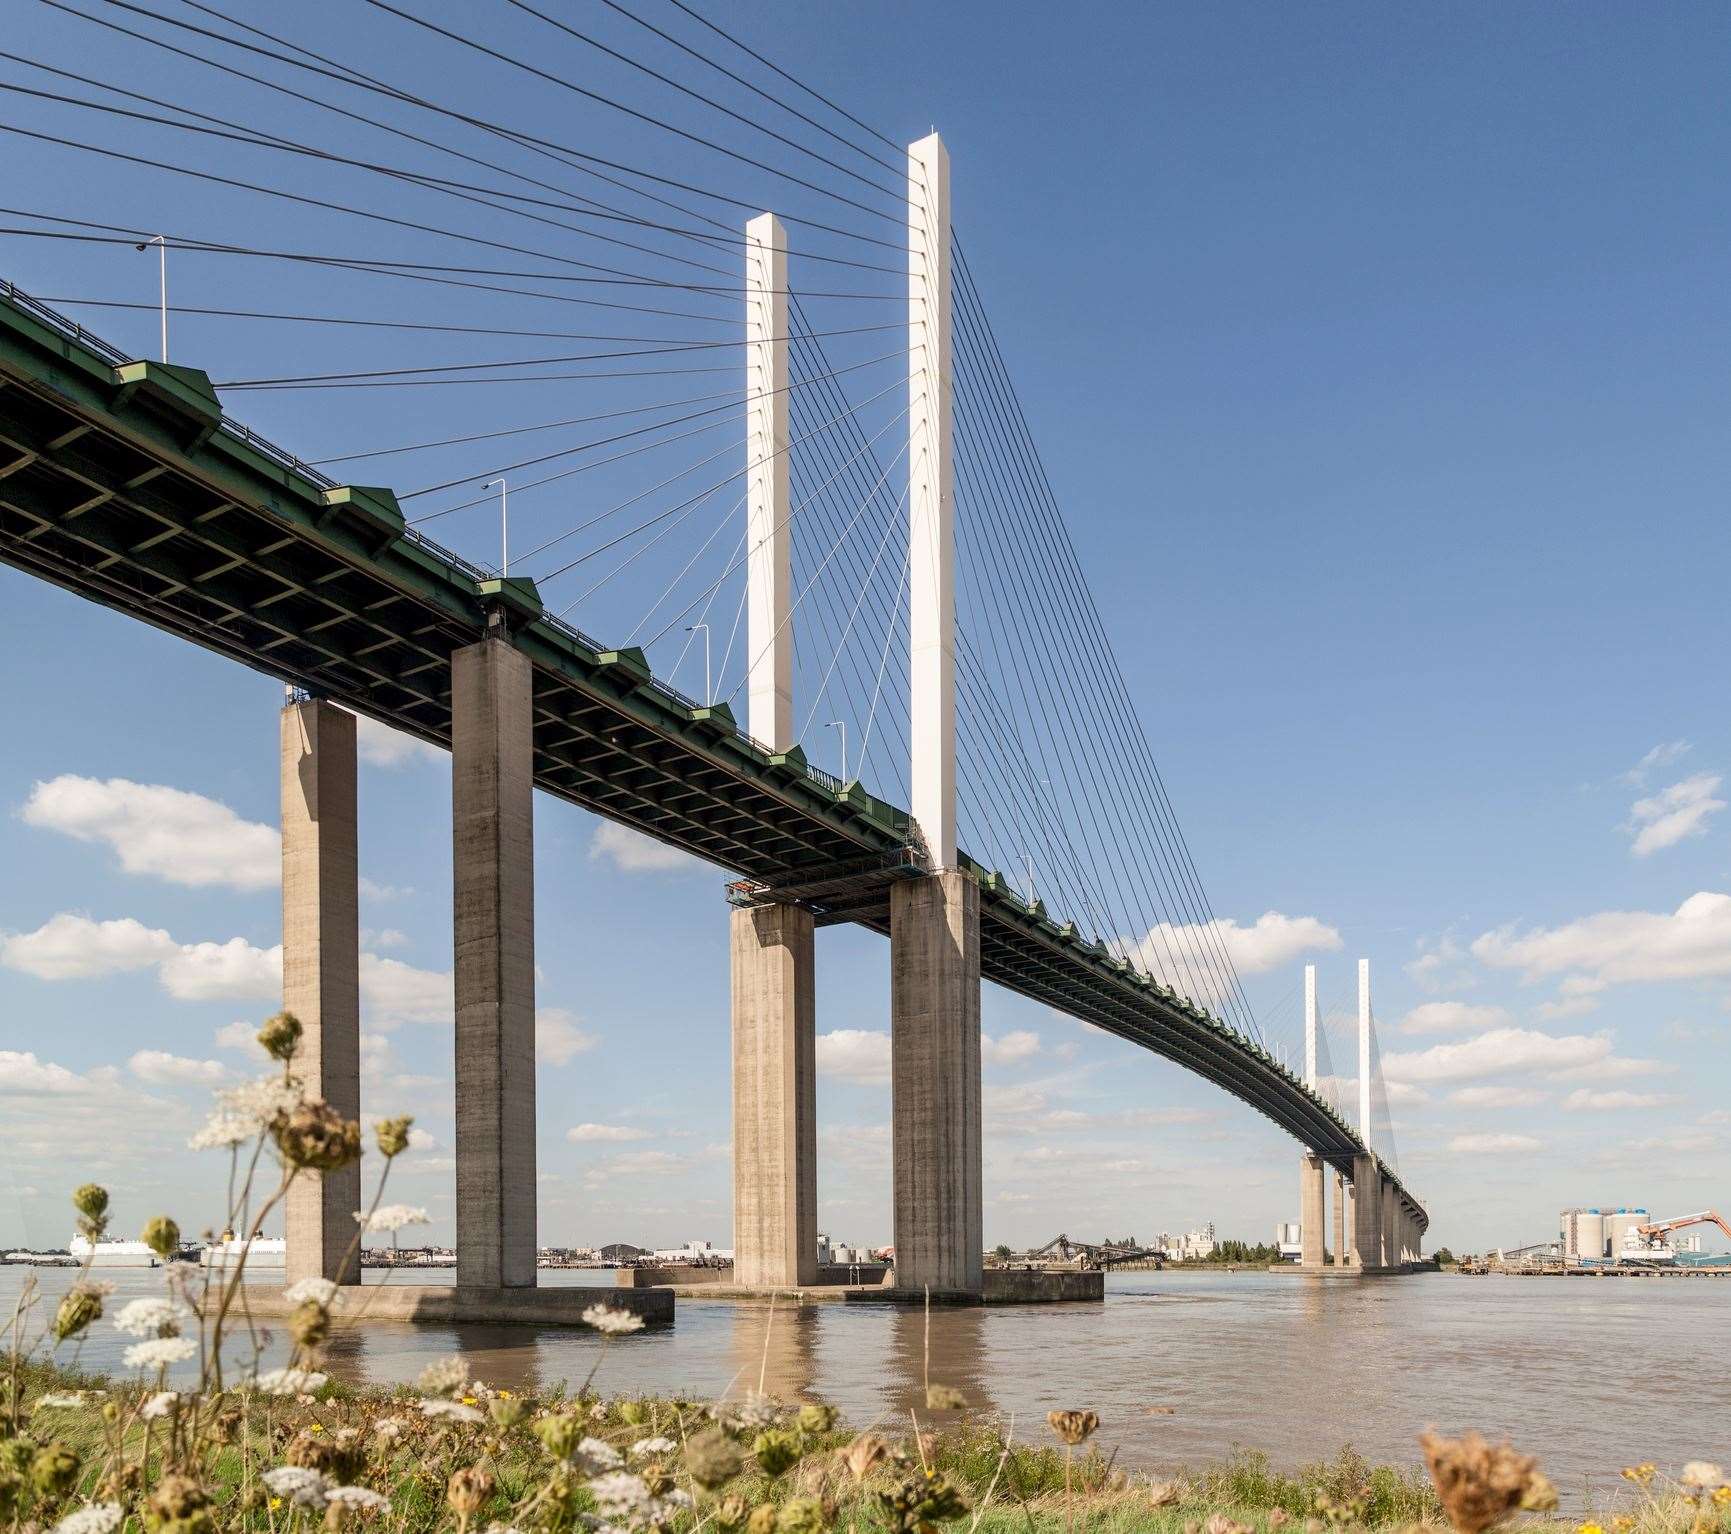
[1378, 358]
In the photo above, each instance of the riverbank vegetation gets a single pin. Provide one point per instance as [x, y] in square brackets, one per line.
[200, 1438]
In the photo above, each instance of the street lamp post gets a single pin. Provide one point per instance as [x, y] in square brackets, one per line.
[841, 724]
[161, 245]
[504, 524]
[708, 690]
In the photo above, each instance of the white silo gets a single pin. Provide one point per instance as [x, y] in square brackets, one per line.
[1617, 1224]
[1583, 1233]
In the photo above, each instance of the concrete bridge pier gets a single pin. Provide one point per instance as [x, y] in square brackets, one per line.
[774, 1097]
[1367, 1206]
[935, 1083]
[1341, 1254]
[321, 944]
[1391, 1223]
[492, 786]
[1312, 1210]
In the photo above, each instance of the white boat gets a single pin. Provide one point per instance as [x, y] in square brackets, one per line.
[112, 1254]
[265, 1253]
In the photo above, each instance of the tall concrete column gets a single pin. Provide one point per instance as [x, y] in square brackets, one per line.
[321, 956]
[1312, 1213]
[1367, 1211]
[1341, 1255]
[769, 510]
[774, 1097]
[1390, 1225]
[492, 786]
[935, 1081]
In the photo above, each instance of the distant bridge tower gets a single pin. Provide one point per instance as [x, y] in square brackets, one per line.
[1312, 1171]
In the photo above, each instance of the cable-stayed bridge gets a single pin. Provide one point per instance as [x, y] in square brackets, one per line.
[873, 532]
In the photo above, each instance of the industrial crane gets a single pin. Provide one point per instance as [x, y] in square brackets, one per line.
[1683, 1221]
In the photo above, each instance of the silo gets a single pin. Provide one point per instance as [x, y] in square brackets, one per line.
[1616, 1224]
[1583, 1235]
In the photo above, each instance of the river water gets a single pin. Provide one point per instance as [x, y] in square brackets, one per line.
[1588, 1374]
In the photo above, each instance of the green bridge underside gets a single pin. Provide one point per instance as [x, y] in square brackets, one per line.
[122, 481]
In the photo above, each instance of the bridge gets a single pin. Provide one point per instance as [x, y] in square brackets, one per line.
[124, 481]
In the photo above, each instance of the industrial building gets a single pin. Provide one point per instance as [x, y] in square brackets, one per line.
[1598, 1233]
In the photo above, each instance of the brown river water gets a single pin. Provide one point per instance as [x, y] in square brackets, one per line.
[1588, 1374]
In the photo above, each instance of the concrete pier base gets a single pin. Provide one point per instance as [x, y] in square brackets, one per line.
[1341, 1255]
[494, 874]
[1392, 1256]
[1311, 1212]
[935, 1083]
[363, 1304]
[1366, 1212]
[321, 937]
[774, 1097]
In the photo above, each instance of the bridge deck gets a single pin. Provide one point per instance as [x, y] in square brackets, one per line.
[122, 481]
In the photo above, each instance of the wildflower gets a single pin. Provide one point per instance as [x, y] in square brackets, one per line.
[1722, 1496]
[392, 1217]
[54, 1470]
[863, 1455]
[361, 1497]
[281, 1036]
[80, 1305]
[392, 1135]
[815, 1417]
[1164, 1494]
[801, 1515]
[593, 1456]
[149, 1318]
[289, 1382]
[446, 1377]
[1640, 1474]
[179, 1505]
[298, 1485]
[630, 1412]
[775, 1451]
[1073, 1426]
[451, 1411]
[612, 1322]
[1699, 1475]
[95, 1518]
[316, 1291]
[69, 1400]
[222, 1129]
[158, 1405]
[1622, 1523]
[162, 1236]
[310, 1324]
[160, 1352]
[712, 1458]
[264, 1102]
[762, 1520]
[315, 1136]
[1589, 1528]
[505, 1412]
[921, 1501]
[389, 1429]
[620, 1495]
[468, 1489]
[944, 1398]
[1478, 1485]
[91, 1202]
[655, 1445]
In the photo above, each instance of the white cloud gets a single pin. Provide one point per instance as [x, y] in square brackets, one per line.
[641, 1163]
[1441, 967]
[384, 937]
[1272, 940]
[231, 971]
[558, 1039]
[69, 947]
[379, 745]
[422, 1140]
[237, 1035]
[1616, 1068]
[1494, 1053]
[1498, 1097]
[393, 992]
[854, 1054]
[1011, 1049]
[23, 1074]
[1681, 811]
[1662, 755]
[1584, 1100]
[371, 889]
[1691, 943]
[165, 832]
[632, 852]
[1492, 1144]
[584, 1133]
[1452, 1017]
[163, 1069]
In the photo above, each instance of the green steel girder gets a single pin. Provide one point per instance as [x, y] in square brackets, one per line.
[120, 481]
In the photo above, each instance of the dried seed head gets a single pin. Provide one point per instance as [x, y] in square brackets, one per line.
[730, 1512]
[162, 1236]
[1074, 1427]
[91, 1202]
[1479, 1485]
[863, 1454]
[315, 1136]
[468, 1489]
[54, 1470]
[78, 1308]
[393, 1135]
[1164, 1494]
[281, 1036]
[713, 1458]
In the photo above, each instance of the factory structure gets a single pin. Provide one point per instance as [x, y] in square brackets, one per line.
[1607, 1234]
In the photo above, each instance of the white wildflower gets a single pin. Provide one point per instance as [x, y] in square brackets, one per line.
[389, 1429]
[389, 1217]
[620, 1495]
[444, 1377]
[149, 1318]
[321, 1291]
[655, 1445]
[158, 1405]
[1701, 1475]
[96, 1518]
[362, 1497]
[593, 1456]
[289, 1382]
[451, 1411]
[613, 1322]
[160, 1352]
[265, 1100]
[69, 1400]
[755, 1411]
[223, 1129]
[297, 1484]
